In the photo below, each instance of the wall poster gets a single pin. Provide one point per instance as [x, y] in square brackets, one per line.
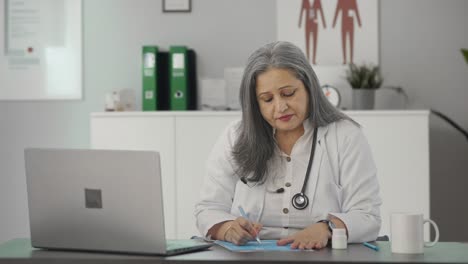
[40, 49]
[331, 32]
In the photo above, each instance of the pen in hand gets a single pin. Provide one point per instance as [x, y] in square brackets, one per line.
[243, 214]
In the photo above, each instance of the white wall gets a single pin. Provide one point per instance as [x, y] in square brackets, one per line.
[420, 42]
[222, 33]
[420, 50]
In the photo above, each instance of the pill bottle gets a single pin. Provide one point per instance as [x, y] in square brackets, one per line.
[339, 238]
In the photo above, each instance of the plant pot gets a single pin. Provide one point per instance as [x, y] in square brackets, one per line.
[363, 99]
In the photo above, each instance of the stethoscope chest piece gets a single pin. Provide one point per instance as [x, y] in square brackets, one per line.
[300, 201]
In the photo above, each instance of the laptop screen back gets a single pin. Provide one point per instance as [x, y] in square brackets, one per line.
[100, 200]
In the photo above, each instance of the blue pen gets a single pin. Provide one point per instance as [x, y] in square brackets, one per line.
[374, 247]
[243, 214]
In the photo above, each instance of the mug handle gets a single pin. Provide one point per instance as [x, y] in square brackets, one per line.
[430, 244]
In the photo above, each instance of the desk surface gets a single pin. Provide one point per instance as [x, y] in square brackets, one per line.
[20, 251]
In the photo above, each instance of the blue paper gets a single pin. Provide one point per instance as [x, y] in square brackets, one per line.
[252, 246]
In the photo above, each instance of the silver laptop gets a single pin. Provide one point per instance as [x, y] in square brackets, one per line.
[99, 200]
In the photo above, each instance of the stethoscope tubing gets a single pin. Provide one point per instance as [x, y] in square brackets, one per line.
[300, 201]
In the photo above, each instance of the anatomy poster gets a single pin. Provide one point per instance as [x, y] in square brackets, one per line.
[331, 32]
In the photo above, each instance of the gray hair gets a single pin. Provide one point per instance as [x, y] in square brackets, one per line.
[255, 145]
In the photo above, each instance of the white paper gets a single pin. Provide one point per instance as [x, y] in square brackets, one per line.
[212, 94]
[233, 78]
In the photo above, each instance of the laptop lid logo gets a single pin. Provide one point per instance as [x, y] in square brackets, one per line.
[93, 198]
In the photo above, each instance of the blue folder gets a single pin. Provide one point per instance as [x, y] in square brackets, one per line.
[252, 246]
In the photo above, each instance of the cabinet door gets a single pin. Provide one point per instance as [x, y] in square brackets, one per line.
[400, 145]
[143, 133]
[196, 136]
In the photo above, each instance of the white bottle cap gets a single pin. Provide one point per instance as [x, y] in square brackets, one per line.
[339, 231]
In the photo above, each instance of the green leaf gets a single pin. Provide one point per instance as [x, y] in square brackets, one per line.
[465, 54]
[364, 76]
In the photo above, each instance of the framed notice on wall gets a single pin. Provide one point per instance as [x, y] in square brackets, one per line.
[40, 49]
[177, 5]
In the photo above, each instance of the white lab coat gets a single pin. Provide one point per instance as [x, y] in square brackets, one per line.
[342, 182]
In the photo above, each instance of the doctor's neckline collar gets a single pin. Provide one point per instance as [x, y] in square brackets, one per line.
[308, 129]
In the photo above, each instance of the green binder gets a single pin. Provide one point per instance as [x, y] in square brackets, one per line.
[150, 78]
[179, 97]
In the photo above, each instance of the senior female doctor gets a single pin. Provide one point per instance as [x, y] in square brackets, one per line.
[296, 165]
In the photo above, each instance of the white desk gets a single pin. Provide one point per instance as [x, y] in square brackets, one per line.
[399, 141]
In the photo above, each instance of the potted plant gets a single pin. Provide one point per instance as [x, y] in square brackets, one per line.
[364, 79]
[465, 54]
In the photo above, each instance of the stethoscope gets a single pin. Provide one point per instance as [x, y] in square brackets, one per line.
[300, 201]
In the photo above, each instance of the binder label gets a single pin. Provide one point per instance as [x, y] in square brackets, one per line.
[149, 95]
[148, 72]
[149, 60]
[178, 61]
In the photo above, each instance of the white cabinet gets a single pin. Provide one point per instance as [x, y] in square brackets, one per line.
[139, 132]
[399, 141]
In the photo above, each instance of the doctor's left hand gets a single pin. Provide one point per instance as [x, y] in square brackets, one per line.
[313, 237]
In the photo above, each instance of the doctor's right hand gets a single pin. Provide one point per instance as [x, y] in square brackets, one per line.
[239, 231]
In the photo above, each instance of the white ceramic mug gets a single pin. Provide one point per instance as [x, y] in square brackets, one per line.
[407, 233]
